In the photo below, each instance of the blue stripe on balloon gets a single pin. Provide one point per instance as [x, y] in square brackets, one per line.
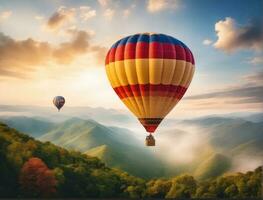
[162, 38]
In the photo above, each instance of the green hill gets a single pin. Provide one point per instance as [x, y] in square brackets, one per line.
[98, 152]
[136, 161]
[214, 166]
[78, 175]
[225, 134]
[229, 136]
[86, 134]
[251, 147]
[32, 126]
[213, 121]
[116, 147]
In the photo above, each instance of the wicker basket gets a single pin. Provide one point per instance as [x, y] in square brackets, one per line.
[150, 141]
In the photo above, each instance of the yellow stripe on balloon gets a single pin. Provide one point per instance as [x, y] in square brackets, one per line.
[169, 66]
[179, 72]
[185, 82]
[131, 73]
[133, 104]
[142, 68]
[155, 70]
[137, 71]
[157, 111]
[130, 69]
[121, 73]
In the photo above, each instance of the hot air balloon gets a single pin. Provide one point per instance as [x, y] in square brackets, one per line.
[150, 73]
[59, 102]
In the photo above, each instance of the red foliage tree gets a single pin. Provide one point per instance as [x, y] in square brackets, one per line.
[36, 179]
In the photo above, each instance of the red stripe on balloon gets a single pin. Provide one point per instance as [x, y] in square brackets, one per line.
[150, 124]
[142, 50]
[175, 91]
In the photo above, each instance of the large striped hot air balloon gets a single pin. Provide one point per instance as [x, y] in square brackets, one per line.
[150, 73]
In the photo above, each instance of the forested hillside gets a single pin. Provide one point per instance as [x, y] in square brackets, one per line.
[75, 174]
[237, 141]
[29, 168]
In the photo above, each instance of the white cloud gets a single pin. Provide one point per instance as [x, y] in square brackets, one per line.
[207, 42]
[246, 92]
[5, 14]
[61, 17]
[256, 60]
[64, 17]
[232, 37]
[18, 58]
[104, 2]
[86, 12]
[159, 5]
[109, 13]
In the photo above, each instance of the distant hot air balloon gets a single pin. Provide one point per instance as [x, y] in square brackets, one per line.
[150, 73]
[59, 102]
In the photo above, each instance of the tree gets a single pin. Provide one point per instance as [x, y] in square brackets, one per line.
[205, 189]
[158, 188]
[231, 191]
[130, 186]
[36, 179]
[183, 186]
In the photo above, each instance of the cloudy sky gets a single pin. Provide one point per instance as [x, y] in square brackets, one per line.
[50, 48]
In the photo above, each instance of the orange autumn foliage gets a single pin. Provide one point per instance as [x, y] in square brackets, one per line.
[36, 179]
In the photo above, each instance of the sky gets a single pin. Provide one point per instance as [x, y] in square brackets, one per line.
[58, 47]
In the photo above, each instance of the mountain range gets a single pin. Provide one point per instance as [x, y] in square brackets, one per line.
[33, 169]
[204, 147]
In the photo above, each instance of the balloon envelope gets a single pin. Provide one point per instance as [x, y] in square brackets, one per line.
[59, 102]
[150, 73]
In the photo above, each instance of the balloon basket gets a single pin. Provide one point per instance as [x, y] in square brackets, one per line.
[150, 141]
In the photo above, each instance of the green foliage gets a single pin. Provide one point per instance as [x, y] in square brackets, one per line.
[133, 187]
[118, 147]
[158, 188]
[79, 175]
[183, 186]
[233, 186]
